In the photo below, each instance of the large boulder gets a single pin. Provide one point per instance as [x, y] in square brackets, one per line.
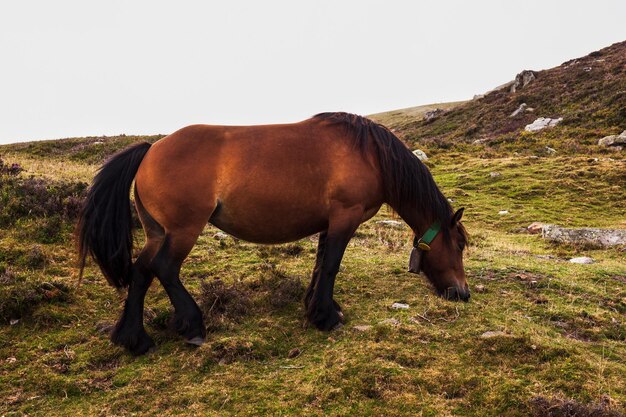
[585, 236]
[613, 140]
[523, 79]
[431, 115]
[542, 123]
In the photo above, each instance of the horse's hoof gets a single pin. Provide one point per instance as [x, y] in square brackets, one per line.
[341, 317]
[196, 341]
[338, 326]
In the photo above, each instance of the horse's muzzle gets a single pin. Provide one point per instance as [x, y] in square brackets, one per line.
[457, 293]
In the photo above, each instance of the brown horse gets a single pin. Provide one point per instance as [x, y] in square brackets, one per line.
[264, 184]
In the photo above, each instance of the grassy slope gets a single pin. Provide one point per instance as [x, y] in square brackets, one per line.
[398, 117]
[564, 324]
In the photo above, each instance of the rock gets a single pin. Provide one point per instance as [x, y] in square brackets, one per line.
[585, 235]
[433, 114]
[582, 260]
[421, 155]
[391, 223]
[480, 141]
[220, 236]
[492, 333]
[494, 174]
[362, 328]
[400, 306]
[542, 123]
[503, 212]
[104, 327]
[550, 151]
[522, 80]
[294, 353]
[478, 96]
[13, 322]
[391, 321]
[613, 140]
[519, 110]
[479, 288]
[535, 228]
[98, 142]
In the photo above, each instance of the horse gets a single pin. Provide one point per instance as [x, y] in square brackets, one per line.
[264, 184]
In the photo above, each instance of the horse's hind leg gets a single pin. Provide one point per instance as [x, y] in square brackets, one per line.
[166, 265]
[129, 331]
[322, 310]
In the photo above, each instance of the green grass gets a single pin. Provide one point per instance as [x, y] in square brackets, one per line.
[564, 325]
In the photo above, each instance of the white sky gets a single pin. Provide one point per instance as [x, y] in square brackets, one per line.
[77, 68]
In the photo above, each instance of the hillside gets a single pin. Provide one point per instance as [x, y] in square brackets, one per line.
[589, 93]
[540, 336]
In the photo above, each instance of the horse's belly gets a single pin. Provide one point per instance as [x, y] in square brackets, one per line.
[269, 229]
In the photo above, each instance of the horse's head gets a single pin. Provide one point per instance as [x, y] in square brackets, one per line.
[441, 259]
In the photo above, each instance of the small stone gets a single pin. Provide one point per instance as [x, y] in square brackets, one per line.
[11, 360]
[503, 212]
[391, 321]
[492, 333]
[494, 174]
[400, 306]
[582, 260]
[362, 327]
[391, 223]
[480, 141]
[550, 151]
[479, 288]
[520, 109]
[421, 155]
[535, 228]
[220, 236]
[104, 327]
[294, 353]
[13, 322]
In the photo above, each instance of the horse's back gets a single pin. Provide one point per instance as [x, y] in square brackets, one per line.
[266, 183]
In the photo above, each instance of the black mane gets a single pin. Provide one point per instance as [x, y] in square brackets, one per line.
[407, 181]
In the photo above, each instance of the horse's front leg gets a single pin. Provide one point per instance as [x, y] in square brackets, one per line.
[322, 310]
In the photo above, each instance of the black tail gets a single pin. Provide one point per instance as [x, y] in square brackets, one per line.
[104, 228]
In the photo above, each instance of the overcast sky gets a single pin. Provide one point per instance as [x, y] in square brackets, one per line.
[79, 68]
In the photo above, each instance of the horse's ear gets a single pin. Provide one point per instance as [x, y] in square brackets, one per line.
[456, 217]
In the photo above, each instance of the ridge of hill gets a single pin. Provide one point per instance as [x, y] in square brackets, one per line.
[589, 93]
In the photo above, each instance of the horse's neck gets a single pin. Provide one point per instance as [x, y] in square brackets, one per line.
[418, 221]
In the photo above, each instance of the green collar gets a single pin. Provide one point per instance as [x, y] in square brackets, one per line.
[425, 241]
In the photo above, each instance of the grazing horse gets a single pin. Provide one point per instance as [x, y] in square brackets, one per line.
[263, 184]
